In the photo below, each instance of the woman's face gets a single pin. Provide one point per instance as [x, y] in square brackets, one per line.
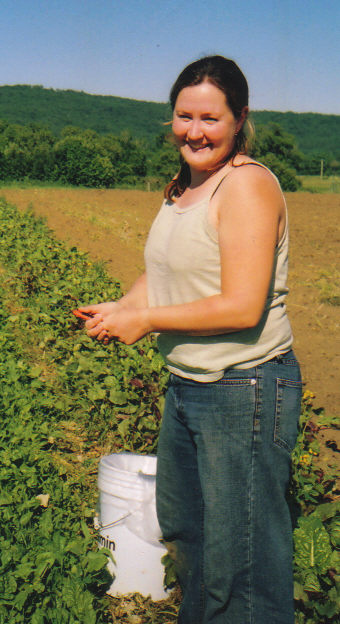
[204, 126]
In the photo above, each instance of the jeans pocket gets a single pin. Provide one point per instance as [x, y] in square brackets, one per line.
[287, 412]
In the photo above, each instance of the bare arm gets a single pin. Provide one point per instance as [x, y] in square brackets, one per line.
[137, 296]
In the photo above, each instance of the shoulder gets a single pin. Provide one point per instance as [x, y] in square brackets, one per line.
[248, 169]
[248, 177]
[249, 194]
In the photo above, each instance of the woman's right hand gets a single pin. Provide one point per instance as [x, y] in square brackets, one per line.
[104, 309]
[97, 313]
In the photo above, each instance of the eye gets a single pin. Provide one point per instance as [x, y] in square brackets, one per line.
[210, 119]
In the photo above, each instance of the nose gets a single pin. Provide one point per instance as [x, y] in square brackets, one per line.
[195, 130]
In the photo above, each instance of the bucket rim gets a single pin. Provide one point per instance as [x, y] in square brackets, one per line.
[149, 461]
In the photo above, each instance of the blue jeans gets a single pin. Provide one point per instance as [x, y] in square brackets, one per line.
[222, 473]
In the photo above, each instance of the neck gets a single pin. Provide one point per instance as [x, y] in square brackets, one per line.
[198, 178]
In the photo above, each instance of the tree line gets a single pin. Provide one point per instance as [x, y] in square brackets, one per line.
[87, 158]
[317, 135]
[79, 157]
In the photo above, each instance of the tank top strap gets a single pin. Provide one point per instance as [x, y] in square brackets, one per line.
[236, 167]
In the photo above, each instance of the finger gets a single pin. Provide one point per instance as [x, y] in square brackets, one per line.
[94, 331]
[94, 322]
[103, 335]
[81, 314]
[89, 309]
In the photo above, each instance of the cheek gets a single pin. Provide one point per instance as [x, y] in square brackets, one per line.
[178, 129]
[178, 140]
[222, 135]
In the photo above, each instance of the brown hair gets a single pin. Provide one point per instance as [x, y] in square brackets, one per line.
[226, 76]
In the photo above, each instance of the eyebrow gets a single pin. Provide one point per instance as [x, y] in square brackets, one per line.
[208, 113]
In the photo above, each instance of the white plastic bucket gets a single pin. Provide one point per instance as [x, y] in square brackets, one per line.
[128, 524]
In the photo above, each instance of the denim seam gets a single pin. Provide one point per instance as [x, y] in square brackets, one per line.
[251, 501]
[288, 362]
[278, 400]
[235, 382]
[256, 429]
[294, 383]
[202, 584]
[250, 544]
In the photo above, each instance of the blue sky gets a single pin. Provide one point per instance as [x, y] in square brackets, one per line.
[289, 50]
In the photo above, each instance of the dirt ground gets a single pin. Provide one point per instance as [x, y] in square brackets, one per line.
[112, 226]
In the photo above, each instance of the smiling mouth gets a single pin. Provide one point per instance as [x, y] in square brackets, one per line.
[198, 148]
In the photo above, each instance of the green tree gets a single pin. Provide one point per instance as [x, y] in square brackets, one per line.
[16, 162]
[164, 161]
[285, 174]
[132, 163]
[26, 151]
[80, 160]
[276, 149]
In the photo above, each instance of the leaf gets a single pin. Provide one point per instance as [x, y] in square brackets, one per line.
[170, 577]
[96, 394]
[11, 584]
[38, 617]
[44, 561]
[96, 561]
[35, 372]
[108, 553]
[123, 427]
[311, 582]
[83, 608]
[77, 547]
[6, 499]
[21, 597]
[24, 570]
[117, 397]
[329, 608]
[299, 592]
[312, 545]
[335, 564]
[335, 532]
[26, 518]
[327, 510]
[110, 381]
[85, 530]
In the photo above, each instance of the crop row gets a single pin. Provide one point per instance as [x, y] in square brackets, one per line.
[65, 401]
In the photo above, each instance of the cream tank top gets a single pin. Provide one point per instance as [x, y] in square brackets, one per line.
[182, 262]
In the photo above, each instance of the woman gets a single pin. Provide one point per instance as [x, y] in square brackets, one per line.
[214, 290]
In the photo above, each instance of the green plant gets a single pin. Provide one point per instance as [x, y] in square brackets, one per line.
[317, 535]
[329, 286]
[65, 401]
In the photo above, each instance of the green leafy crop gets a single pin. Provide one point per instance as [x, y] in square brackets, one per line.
[317, 534]
[64, 402]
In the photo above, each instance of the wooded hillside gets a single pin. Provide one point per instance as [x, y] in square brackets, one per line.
[315, 133]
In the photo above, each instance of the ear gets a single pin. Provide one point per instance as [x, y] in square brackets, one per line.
[242, 118]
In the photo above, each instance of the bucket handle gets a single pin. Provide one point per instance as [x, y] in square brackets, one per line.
[146, 474]
[111, 524]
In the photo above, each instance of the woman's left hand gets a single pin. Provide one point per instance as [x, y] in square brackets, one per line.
[126, 325]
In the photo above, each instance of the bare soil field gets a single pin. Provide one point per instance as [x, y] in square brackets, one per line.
[112, 226]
